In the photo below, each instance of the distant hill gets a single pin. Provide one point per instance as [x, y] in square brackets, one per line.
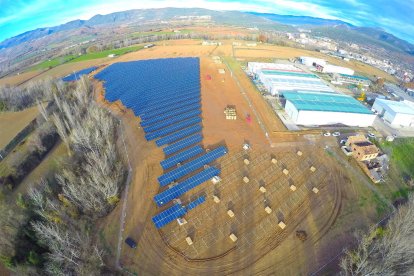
[335, 29]
[340, 30]
[136, 16]
[300, 20]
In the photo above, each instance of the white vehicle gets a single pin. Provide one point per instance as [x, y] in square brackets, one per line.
[336, 134]
[371, 135]
[327, 134]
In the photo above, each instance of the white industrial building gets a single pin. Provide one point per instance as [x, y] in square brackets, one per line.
[283, 79]
[332, 69]
[317, 108]
[397, 114]
[255, 67]
[324, 67]
[311, 61]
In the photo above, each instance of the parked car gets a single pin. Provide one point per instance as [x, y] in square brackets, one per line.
[336, 134]
[371, 135]
[131, 243]
[327, 134]
[343, 142]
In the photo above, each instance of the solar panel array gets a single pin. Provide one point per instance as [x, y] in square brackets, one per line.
[173, 148]
[196, 202]
[185, 186]
[77, 75]
[168, 215]
[191, 166]
[181, 157]
[165, 94]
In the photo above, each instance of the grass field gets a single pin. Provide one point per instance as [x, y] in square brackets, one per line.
[11, 123]
[72, 58]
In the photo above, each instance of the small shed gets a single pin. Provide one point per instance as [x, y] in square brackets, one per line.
[292, 188]
[262, 189]
[274, 161]
[233, 237]
[299, 153]
[246, 179]
[189, 241]
[268, 210]
[230, 213]
[221, 71]
[282, 225]
[315, 190]
[216, 179]
[285, 171]
[246, 161]
[312, 169]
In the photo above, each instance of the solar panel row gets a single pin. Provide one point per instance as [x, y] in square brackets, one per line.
[172, 120]
[184, 97]
[173, 128]
[173, 148]
[174, 112]
[181, 157]
[196, 202]
[185, 186]
[191, 166]
[168, 215]
[178, 135]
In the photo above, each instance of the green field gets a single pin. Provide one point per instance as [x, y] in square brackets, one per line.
[72, 58]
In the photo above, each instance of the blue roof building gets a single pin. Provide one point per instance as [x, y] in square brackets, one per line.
[318, 108]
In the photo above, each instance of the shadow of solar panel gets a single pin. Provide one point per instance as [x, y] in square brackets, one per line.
[182, 144]
[191, 166]
[196, 202]
[172, 120]
[178, 135]
[181, 157]
[173, 128]
[168, 215]
[185, 186]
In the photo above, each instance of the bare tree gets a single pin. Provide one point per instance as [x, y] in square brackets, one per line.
[385, 251]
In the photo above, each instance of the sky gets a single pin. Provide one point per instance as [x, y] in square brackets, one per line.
[394, 16]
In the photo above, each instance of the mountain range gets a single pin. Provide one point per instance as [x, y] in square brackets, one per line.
[335, 29]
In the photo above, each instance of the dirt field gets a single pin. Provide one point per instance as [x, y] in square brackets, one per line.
[11, 123]
[262, 247]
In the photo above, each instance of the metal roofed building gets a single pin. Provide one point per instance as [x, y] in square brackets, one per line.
[278, 80]
[397, 114]
[255, 67]
[317, 108]
[344, 78]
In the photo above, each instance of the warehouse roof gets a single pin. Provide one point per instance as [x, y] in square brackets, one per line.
[317, 101]
[404, 107]
[289, 74]
[355, 77]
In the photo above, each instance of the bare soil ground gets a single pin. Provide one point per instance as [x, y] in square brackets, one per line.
[11, 123]
[262, 248]
[17, 79]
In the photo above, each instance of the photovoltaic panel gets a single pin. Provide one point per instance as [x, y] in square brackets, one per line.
[185, 186]
[168, 215]
[172, 106]
[191, 97]
[168, 114]
[172, 120]
[173, 148]
[178, 135]
[196, 202]
[173, 128]
[77, 75]
[191, 166]
[181, 157]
